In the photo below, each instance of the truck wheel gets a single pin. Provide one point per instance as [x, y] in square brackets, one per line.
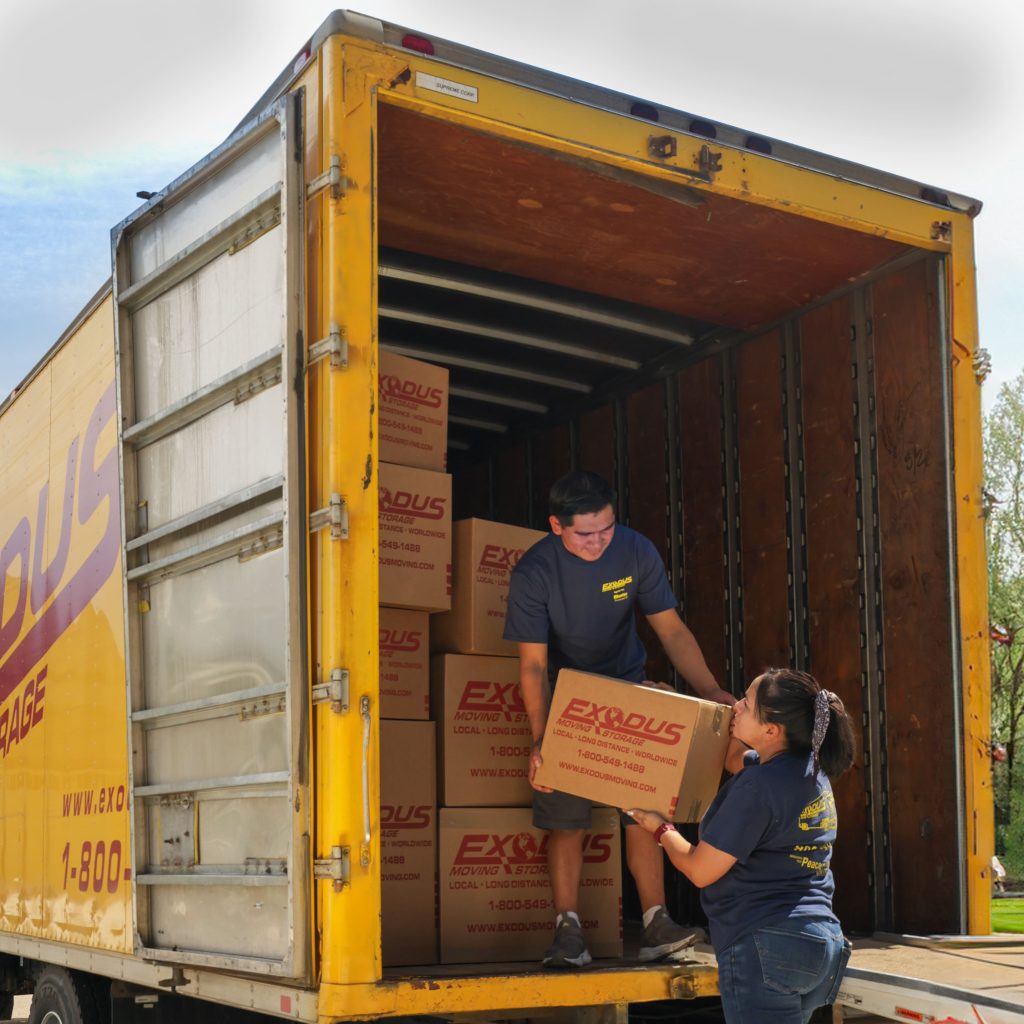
[61, 997]
[6, 1005]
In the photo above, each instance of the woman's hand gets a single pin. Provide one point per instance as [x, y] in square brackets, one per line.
[648, 820]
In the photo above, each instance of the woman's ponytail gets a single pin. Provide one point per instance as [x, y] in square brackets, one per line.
[835, 752]
[814, 719]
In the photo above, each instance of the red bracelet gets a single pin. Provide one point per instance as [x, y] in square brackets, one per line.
[665, 826]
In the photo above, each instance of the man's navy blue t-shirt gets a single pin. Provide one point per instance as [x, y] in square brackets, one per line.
[585, 611]
[778, 819]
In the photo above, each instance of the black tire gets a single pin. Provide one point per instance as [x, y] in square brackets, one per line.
[63, 997]
[6, 1005]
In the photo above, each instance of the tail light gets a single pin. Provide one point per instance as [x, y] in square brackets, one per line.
[419, 44]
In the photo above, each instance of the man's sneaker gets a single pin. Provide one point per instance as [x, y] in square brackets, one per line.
[568, 949]
[663, 937]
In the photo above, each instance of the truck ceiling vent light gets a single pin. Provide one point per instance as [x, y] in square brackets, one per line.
[644, 110]
[758, 145]
[705, 128]
[419, 44]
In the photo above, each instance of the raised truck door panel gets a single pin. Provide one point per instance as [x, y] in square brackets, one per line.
[208, 283]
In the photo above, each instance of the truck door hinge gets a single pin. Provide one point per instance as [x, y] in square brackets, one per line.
[336, 869]
[709, 162]
[334, 691]
[982, 363]
[335, 516]
[331, 179]
[334, 346]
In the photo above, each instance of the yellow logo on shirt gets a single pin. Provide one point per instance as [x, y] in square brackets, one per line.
[616, 584]
[814, 858]
[819, 815]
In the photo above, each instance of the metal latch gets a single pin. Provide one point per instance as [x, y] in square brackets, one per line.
[336, 869]
[334, 345]
[662, 146]
[332, 178]
[334, 691]
[709, 162]
[335, 516]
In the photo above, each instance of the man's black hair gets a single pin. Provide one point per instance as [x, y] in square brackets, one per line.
[579, 493]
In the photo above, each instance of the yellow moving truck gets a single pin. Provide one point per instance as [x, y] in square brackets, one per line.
[772, 353]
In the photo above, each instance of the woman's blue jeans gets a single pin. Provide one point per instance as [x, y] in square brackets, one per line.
[781, 973]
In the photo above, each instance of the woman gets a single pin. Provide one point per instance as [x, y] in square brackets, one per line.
[762, 860]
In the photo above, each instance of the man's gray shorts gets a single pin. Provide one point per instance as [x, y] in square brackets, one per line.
[564, 811]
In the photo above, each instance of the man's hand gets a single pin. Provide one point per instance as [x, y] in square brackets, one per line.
[659, 686]
[535, 762]
[648, 820]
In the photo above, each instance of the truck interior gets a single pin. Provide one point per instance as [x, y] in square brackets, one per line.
[750, 381]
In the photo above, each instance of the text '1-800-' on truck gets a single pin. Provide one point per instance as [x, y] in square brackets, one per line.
[771, 353]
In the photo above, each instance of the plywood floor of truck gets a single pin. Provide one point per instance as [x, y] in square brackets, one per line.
[700, 956]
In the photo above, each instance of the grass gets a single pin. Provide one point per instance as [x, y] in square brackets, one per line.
[1008, 916]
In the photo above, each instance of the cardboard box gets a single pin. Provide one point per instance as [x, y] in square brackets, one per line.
[496, 892]
[634, 746]
[483, 732]
[408, 828]
[413, 412]
[415, 538]
[483, 557]
[404, 664]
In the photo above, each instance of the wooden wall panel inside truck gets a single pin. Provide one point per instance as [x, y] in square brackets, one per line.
[767, 351]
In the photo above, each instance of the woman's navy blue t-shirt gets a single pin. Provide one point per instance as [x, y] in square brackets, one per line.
[778, 820]
[585, 611]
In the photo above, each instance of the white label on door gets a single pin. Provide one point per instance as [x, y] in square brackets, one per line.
[449, 88]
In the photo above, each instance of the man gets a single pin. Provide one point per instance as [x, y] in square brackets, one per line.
[572, 604]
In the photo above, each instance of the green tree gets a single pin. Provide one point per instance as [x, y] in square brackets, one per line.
[1004, 484]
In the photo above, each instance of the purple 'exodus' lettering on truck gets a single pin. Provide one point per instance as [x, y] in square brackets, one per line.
[45, 583]
[96, 485]
[16, 549]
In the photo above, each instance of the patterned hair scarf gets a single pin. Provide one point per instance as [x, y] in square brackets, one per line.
[822, 714]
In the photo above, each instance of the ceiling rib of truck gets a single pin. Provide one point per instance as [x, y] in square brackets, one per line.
[543, 283]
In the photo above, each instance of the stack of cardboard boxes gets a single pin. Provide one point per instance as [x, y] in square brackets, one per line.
[490, 884]
[495, 892]
[415, 579]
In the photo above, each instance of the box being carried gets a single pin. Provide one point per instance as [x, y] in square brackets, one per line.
[483, 731]
[633, 746]
[483, 557]
[496, 891]
[413, 412]
[415, 538]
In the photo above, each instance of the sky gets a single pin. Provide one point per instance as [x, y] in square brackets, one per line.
[108, 97]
